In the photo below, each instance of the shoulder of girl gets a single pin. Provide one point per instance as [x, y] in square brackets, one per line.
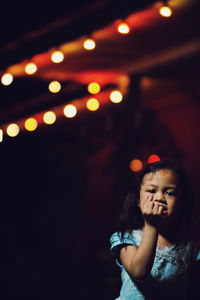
[195, 250]
[127, 238]
[198, 255]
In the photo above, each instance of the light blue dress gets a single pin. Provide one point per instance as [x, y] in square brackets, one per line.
[169, 274]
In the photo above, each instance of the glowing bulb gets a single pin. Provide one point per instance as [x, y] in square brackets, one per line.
[89, 44]
[49, 117]
[153, 158]
[136, 165]
[92, 104]
[70, 111]
[1, 135]
[57, 56]
[54, 86]
[116, 96]
[93, 88]
[6, 79]
[31, 124]
[12, 130]
[30, 68]
[165, 11]
[123, 28]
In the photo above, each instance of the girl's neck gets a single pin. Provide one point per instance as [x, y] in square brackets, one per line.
[165, 242]
[167, 236]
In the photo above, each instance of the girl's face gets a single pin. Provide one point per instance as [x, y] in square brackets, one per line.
[163, 186]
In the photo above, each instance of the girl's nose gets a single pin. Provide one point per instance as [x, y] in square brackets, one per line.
[159, 197]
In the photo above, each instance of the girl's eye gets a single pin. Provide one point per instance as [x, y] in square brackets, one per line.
[170, 193]
[151, 191]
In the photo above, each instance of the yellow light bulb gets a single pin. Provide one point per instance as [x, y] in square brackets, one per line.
[57, 56]
[54, 86]
[7, 79]
[116, 96]
[49, 117]
[92, 104]
[30, 68]
[31, 124]
[93, 88]
[89, 44]
[123, 28]
[12, 130]
[70, 111]
[165, 11]
[1, 135]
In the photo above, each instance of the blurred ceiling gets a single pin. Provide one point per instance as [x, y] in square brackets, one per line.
[156, 47]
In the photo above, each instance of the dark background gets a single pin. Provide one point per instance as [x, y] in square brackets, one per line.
[62, 186]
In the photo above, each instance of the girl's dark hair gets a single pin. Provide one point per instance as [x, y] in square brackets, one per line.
[131, 217]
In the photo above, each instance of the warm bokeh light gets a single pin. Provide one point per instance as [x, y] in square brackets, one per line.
[153, 158]
[94, 88]
[165, 11]
[123, 28]
[89, 44]
[54, 86]
[49, 117]
[30, 68]
[12, 130]
[136, 165]
[70, 111]
[57, 56]
[92, 104]
[6, 79]
[31, 124]
[1, 135]
[116, 96]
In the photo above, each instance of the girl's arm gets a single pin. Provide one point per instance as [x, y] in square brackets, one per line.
[138, 262]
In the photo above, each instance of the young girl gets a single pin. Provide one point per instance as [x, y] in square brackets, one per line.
[155, 247]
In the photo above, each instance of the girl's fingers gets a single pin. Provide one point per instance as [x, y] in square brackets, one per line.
[156, 208]
[150, 206]
[149, 197]
[147, 203]
[149, 200]
[160, 209]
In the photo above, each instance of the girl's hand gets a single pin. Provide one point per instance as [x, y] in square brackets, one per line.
[153, 211]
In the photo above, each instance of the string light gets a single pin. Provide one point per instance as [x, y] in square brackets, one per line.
[7, 79]
[136, 165]
[12, 130]
[49, 117]
[92, 104]
[30, 68]
[31, 124]
[89, 44]
[54, 86]
[165, 11]
[153, 158]
[57, 57]
[70, 111]
[123, 28]
[94, 88]
[116, 96]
